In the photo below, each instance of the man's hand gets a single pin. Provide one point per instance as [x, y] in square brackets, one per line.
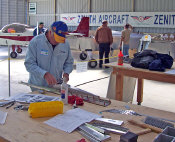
[50, 79]
[66, 76]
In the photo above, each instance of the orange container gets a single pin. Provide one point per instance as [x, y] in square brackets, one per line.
[120, 58]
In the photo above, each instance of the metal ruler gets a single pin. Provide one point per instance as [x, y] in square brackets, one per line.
[111, 127]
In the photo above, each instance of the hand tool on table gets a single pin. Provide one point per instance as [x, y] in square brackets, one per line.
[154, 129]
[11, 104]
[21, 107]
[2, 104]
[157, 122]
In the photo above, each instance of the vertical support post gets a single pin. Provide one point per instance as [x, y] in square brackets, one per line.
[133, 5]
[139, 91]
[89, 6]
[55, 10]
[119, 86]
[9, 68]
[27, 12]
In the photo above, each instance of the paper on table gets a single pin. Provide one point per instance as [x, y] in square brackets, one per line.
[3, 116]
[170, 72]
[30, 98]
[72, 119]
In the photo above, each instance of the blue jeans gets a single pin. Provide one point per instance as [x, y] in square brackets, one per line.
[125, 50]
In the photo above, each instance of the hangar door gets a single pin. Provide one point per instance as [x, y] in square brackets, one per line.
[12, 11]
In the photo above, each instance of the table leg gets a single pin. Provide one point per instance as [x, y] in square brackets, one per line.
[140, 91]
[119, 87]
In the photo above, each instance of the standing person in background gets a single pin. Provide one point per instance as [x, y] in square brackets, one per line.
[48, 58]
[41, 29]
[103, 37]
[125, 37]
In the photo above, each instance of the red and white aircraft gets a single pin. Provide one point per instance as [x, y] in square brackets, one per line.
[17, 35]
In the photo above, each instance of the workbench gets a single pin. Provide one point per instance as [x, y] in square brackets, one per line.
[140, 75]
[20, 127]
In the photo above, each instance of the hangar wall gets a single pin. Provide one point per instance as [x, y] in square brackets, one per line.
[50, 10]
[12, 11]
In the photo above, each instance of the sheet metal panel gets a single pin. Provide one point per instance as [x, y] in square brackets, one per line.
[21, 11]
[111, 5]
[71, 6]
[44, 12]
[154, 5]
[12, 5]
[44, 6]
[12, 11]
[0, 13]
[4, 10]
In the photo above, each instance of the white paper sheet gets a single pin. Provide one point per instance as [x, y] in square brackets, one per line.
[170, 72]
[72, 119]
[30, 98]
[81, 66]
[3, 116]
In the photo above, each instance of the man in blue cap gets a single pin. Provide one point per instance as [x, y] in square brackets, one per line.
[48, 57]
[40, 29]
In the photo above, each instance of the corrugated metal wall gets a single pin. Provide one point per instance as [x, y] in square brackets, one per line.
[45, 12]
[154, 5]
[49, 10]
[71, 6]
[12, 11]
[111, 5]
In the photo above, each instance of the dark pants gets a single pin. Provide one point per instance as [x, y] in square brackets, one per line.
[104, 48]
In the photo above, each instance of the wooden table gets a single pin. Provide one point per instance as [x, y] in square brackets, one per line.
[20, 127]
[140, 74]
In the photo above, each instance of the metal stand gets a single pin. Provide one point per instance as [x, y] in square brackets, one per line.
[9, 68]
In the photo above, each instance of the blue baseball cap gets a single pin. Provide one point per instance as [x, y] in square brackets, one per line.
[60, 29]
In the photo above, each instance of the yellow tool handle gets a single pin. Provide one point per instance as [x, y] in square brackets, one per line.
[155, 129]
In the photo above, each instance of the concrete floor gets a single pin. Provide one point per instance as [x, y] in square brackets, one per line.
[156, 94]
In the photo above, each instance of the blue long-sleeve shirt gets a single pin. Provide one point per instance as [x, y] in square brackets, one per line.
[41, 58]
[40, 31]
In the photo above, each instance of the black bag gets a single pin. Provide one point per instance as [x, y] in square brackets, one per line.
[156, 65]
[143, 59]
[167, 60]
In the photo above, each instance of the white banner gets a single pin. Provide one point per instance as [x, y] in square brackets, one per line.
[136, 19]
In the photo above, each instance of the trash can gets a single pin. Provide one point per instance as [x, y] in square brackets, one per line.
[128, 88]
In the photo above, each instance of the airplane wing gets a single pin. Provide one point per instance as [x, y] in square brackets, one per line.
[75, 34]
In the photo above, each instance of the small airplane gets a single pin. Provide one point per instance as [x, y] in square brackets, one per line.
[17, 35]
